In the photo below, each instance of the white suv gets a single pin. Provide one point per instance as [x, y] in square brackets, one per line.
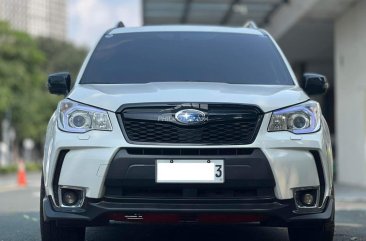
[174, 124]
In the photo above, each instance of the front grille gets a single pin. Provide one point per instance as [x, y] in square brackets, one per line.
[228, 124]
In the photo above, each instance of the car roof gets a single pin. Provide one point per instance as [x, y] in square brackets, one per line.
[186, 28]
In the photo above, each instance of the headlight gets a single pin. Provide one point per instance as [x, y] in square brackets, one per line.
[299, 119]
[75, 117]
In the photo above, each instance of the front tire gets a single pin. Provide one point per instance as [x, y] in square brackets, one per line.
[51, 232]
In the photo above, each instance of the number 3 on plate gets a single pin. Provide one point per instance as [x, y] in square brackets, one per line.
[218, 170]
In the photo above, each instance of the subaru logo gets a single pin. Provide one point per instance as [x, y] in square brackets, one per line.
[191, 116]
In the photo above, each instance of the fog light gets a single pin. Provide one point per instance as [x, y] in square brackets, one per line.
[69, 198]
[308, 199]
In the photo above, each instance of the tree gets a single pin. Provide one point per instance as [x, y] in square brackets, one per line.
[61, 56]
[21, 80]
[24, 66]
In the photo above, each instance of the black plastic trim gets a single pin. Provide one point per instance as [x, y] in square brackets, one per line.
[322, 217]
[189, 151]
[320, 170]
[57, 173]
[279, 212]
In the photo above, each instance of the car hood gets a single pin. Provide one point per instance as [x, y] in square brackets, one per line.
[111, 96]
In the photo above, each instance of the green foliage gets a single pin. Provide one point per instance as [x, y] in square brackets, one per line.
[33, 166]
[24, 66]
[29, 167]
[61, 56]
[8, 169]
[21, 79]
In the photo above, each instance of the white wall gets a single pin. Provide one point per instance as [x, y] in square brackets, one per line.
[350, 76]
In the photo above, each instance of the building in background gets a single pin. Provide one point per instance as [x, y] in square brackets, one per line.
[45, 18]
[324, 36]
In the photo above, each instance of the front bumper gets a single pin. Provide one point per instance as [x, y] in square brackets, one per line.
[89, 157]
[282, 161]
[130, 190]
[279, 213]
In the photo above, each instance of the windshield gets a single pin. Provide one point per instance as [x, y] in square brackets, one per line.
[145, 57]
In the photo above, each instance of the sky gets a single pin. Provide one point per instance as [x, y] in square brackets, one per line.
[89, 19]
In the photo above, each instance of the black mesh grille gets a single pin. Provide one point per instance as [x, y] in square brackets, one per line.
[226, 124]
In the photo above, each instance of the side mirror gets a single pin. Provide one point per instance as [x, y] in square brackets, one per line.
[59, 83]
[314, 84]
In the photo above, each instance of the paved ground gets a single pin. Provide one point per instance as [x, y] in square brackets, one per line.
[19, 220]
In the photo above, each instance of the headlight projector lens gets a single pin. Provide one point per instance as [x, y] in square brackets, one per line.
[299, 121]
[80, 119]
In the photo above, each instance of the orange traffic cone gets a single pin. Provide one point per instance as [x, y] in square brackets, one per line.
[22, 176]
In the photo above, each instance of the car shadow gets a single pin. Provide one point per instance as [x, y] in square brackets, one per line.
[186, 233]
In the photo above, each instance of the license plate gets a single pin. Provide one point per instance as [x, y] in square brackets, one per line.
[189, 171]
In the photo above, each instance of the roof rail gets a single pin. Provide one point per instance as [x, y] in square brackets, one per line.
[251, 24]
[120, 24]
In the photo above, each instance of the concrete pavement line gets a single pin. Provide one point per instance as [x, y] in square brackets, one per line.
[350, 206]
[350, 225]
